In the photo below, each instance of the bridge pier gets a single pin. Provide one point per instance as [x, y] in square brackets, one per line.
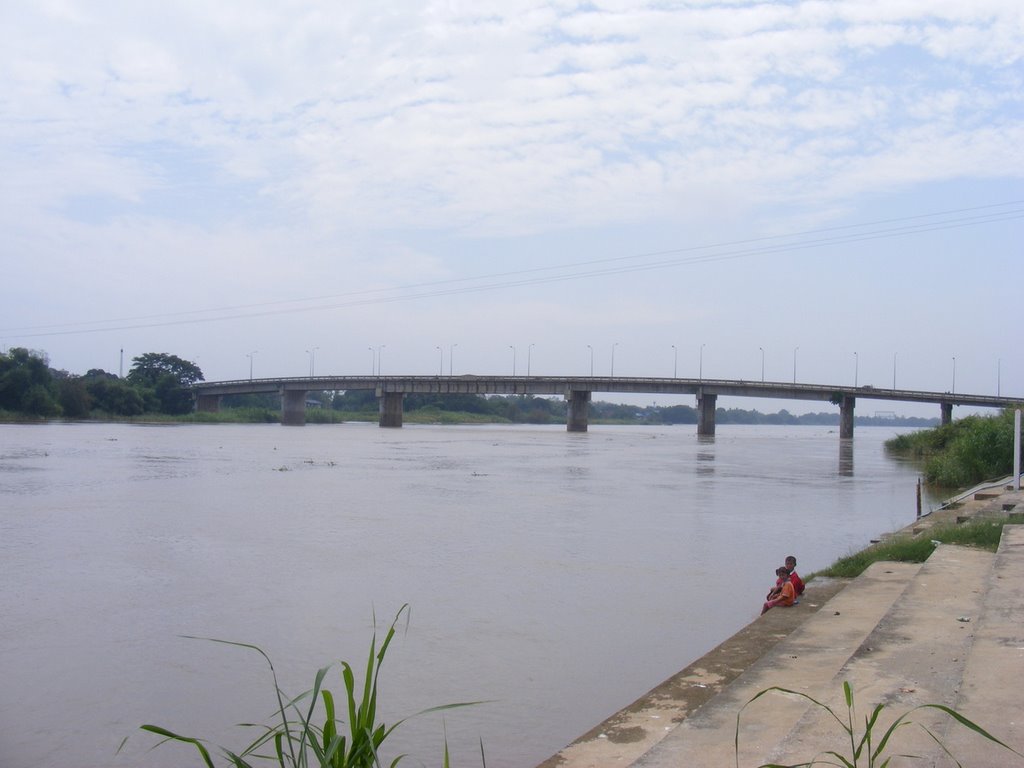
[207, 403]
[578, 411]
[947, 412]
[706, 413]
[390, 408]
[846, 416]
[293, 407]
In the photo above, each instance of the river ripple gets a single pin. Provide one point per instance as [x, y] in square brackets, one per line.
[557, 575]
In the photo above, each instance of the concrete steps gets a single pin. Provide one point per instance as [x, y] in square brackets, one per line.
[991, 693]
[950, 631]
[806, 660]
[915, 655]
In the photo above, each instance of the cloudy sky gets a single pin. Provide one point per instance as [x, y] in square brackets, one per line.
[469, 186]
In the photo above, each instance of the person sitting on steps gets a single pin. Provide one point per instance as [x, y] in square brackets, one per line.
[782, 594]
[798, 583]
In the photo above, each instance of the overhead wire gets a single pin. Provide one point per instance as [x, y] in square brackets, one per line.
[765, 245]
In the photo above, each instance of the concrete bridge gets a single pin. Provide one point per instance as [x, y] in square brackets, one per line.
[577, 390]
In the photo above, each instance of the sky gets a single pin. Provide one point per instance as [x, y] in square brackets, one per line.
[827, 190]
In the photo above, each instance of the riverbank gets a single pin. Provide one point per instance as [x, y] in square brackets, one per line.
[628, 735]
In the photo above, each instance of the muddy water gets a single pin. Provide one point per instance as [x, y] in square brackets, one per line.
[556, 575]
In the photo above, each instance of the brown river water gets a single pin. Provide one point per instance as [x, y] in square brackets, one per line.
[557, 576]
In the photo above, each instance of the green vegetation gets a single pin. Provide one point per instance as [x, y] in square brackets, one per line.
[296, 740]
[158, 386]
[962, 453]
[983, 533]
[157, 383]
[866, 748]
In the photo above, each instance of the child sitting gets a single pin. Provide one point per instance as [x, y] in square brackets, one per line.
[798, 583]
[783, 594]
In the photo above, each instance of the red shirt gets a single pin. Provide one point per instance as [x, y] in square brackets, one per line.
[797, 582]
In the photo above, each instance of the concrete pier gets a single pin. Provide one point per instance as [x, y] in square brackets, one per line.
[846, 406]
[706, 403]
[390, 408]
[579, 410]
[293, 407]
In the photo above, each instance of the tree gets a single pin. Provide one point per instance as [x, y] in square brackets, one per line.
[75, 400]
[165, 379]
[148, 369]
[27, 384]
[113, 395]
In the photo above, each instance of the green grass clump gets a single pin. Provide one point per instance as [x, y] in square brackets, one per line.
[866, 744]
[983, 533]
[296, 739]
[962, 453]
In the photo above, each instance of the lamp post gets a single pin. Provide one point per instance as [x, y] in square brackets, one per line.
[700, 364]
[513, 359]
[250, 362]
[613, 358]
[591, 360]
[856, 364]
[529, 356]
[999, 376]
[380, 358]
[762, 364]
[451, 348]
[953, 390]
[373, 360]
[675, 362]
[312, 359]
[440, 362]
[894, 371]
[794, 363]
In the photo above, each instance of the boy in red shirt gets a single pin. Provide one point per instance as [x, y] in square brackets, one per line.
[798, 583]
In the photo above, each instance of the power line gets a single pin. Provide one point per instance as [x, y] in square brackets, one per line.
[761, 246]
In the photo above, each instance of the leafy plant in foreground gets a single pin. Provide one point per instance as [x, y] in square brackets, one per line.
[296, 740]
[864, 751]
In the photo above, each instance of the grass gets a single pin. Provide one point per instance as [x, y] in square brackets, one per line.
[983, 533]
[962, 453]
[868, 745]
[296, 739]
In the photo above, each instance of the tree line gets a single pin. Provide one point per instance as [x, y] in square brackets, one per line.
[156, 383]
[160, 383]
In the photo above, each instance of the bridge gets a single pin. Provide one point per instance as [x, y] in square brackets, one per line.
[577, 390]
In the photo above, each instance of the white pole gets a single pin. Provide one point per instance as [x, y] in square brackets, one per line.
[1016, 449]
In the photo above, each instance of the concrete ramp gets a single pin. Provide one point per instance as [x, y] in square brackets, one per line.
[807, 661]
[915, 655]
[992, 693]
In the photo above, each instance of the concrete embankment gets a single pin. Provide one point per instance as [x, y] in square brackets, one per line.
[950, 631]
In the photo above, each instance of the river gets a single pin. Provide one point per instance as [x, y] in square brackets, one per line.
[556, 576]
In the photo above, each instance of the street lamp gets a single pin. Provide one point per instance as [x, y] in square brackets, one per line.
[700, 364]
[373, 360]
[856, 364]
[794, 363]
[675, 362]
[591, 360]
[312, 359]
[529, 356]
[250, 362]
[380, 358]
[613, 358]
[762, 364]
[999, 376]
[451, 348]
[953, 390]
[440, 363]
[894, 370]
[513, 359]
